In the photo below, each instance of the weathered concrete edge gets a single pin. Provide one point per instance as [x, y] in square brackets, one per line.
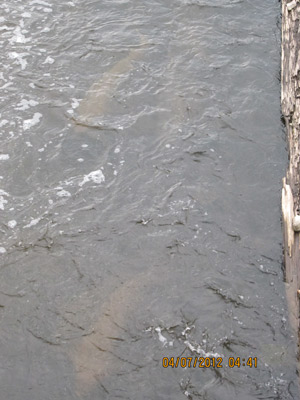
[290, 105]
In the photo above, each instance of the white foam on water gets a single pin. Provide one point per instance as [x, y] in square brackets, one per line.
[19, 57]
[117, 150]
[94, 176]
[3, 201]
[12, 224]
[33, 222]
[75, 103]
[29, 123]
[6, 85]
[63, 193]
[49, 60]
[5, 28]
[200, 351]
[3, 123]
[186, 330]
[4, 157]
[2, 250]
[26, 15]
[25, 104]
[161, 338]
[18, 36]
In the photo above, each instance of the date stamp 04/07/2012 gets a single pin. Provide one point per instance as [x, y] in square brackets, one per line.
[209, 362]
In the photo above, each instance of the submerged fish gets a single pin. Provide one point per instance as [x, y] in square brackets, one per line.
[96, 356]
[95, 105]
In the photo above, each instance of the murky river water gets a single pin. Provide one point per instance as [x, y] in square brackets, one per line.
[141, 161]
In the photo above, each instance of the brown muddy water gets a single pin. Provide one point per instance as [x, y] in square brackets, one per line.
[141, 160]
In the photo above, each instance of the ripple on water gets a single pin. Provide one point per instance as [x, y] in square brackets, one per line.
[138, 182]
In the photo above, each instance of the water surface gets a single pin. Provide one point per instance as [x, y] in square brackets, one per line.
[141, 162]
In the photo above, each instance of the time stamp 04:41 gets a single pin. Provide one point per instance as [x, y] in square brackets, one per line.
[209, 362]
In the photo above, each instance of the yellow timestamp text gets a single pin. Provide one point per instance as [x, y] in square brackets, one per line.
[209, 362]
